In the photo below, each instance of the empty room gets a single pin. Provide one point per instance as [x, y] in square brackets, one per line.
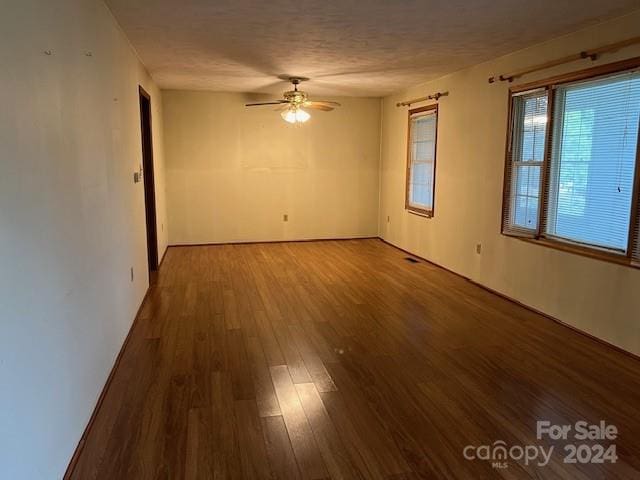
[319, 240]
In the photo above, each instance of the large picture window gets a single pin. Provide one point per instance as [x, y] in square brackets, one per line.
[571, 176]
[421, 162]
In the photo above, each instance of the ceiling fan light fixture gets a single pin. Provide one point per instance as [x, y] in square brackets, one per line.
[295, 115]
[302, 116]
[289, 116]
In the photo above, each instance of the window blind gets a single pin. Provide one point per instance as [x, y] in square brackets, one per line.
[635, 241]
[593, 161]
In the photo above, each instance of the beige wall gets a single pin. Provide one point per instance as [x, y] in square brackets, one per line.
[597, 297]
[233, 172]
[71, 222]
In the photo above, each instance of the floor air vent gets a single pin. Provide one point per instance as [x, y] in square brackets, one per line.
[411, 260]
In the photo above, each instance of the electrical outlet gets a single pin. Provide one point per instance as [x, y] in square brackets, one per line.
[478, 248]
[132, 274]
[285, 217]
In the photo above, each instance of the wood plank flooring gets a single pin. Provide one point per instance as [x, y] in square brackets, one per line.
[341, 360]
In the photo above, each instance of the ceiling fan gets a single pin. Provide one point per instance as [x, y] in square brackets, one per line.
[292, 104]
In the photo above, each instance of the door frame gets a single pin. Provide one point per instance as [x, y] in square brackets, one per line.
[146, 134]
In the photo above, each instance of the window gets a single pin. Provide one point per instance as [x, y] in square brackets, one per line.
[572, 174]
[421, 162]
[527, 150]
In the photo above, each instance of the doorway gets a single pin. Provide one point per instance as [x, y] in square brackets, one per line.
[149, 184]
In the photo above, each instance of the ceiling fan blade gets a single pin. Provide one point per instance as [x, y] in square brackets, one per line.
[317, 106]
[275, 102]
[326, 102]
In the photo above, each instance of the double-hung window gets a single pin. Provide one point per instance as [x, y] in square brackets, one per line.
[572, 169]
[421, 161]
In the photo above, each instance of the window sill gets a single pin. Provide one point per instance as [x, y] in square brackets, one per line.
[585, 251]
[420, 212]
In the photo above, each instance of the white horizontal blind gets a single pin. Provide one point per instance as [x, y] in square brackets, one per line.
[636, 239]
[526, 157]
[422, 151]
[591, 179]
[635, 235]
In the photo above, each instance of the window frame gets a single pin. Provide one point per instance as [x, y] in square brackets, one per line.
[429, 213]
[518, 231]
[538, 236]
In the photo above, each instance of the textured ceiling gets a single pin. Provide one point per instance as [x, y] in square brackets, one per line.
[346, 47]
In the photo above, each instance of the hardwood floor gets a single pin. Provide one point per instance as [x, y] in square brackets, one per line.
[342, 360]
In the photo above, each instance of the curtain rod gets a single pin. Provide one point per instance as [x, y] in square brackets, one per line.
[591, 54]
[433, 96]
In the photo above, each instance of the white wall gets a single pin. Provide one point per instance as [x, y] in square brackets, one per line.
[233, 171]
[597, 297]
[71, 222]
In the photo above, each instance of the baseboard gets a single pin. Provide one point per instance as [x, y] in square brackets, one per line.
[78, 451]
[519, 303]
[256, 242]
